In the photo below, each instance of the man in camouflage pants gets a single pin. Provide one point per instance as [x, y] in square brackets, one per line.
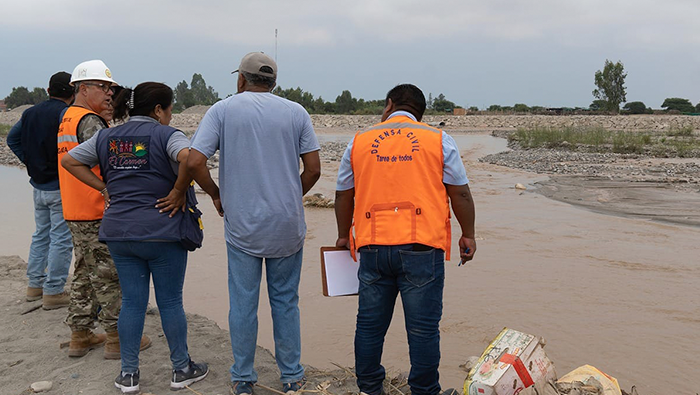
[95, 286]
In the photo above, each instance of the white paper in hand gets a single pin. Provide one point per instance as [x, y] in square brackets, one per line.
[341, 272]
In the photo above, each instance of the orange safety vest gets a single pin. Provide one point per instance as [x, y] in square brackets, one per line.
[399, 194]
[80, 202]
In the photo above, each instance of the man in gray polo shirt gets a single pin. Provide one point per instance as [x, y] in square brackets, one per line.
[260, 137]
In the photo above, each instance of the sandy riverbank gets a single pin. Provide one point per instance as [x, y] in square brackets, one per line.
[617, 292]
[32, 350]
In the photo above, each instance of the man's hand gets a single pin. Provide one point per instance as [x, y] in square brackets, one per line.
[197, 167]
[343, 242]
[467, 248]
[217, 204]
[107, 199]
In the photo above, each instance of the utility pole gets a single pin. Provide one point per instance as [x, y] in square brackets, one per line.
[275, 45]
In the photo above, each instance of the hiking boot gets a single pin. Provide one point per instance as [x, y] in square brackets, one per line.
[112, 350]
[128, 383]
[290, 388]
[192, 374]
[34, 294]
[52, 302]
[450, 391]
[83, 341]
[241, 388]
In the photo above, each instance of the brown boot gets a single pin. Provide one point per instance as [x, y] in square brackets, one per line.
[83, 341]
[51, 302]
[34, 294]
[112, 345]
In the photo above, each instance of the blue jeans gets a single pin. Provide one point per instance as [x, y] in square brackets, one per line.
[283, 275]
[52, 246]
[418, 273]
[136, 262]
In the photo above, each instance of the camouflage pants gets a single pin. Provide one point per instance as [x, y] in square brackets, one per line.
[95, 285]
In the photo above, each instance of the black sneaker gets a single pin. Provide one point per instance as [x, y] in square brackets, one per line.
[197, 372]
[242, 388]
[290, 388]
[450, 391]
[128, 383]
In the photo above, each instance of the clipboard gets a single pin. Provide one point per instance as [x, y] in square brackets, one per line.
[339, 272]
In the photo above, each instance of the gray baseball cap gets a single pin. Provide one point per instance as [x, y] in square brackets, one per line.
[254, 62]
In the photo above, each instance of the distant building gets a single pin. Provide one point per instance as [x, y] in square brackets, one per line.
[459, 111]
[3, 106]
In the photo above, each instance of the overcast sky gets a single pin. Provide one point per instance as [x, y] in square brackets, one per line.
[477, 53]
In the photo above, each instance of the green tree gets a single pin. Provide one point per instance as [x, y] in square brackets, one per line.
[697, 107]
[319, 106]
[21, 96]
[676, 103]
[635, 107]
[183, 97]
[369, 107]
[598, 105]
[329, 108]
[441, 104]
[202, 94]
[298, 95]
[494, 108]
[611, 86]
[520, 107]
[39, 95]
[474, 108]
[345, 103]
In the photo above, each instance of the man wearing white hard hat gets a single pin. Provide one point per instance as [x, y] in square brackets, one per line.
[95, 286]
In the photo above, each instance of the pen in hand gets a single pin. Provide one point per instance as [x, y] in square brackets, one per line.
[463, 260]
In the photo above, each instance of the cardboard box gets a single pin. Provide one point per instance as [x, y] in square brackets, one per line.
[512, 362]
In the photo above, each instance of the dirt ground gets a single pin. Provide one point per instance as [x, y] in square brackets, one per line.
[32, 348]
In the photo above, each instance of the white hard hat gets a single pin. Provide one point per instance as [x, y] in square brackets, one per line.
[92, 70]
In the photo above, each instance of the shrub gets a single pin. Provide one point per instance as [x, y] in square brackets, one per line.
[4, 129]
[635, 107]
[684, 131]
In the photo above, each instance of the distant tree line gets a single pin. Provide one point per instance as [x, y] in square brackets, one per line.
[345, 103]
[609, 94]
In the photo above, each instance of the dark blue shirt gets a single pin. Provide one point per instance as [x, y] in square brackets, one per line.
[34, 140]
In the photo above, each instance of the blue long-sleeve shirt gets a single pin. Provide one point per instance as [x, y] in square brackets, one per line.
[14, 140]
[33, 141]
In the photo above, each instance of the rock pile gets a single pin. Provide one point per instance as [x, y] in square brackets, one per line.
[611, 165]
[332, 151]
[188, 120]
[492, 122]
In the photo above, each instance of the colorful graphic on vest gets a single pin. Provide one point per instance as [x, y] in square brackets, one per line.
[129, 153]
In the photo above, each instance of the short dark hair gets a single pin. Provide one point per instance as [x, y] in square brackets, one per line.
[260, 80]
[409, 98]
[147, 95]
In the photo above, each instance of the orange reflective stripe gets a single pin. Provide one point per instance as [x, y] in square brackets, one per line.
[80, 202]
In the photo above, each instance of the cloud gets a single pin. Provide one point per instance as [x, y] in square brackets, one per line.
[330, 23]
